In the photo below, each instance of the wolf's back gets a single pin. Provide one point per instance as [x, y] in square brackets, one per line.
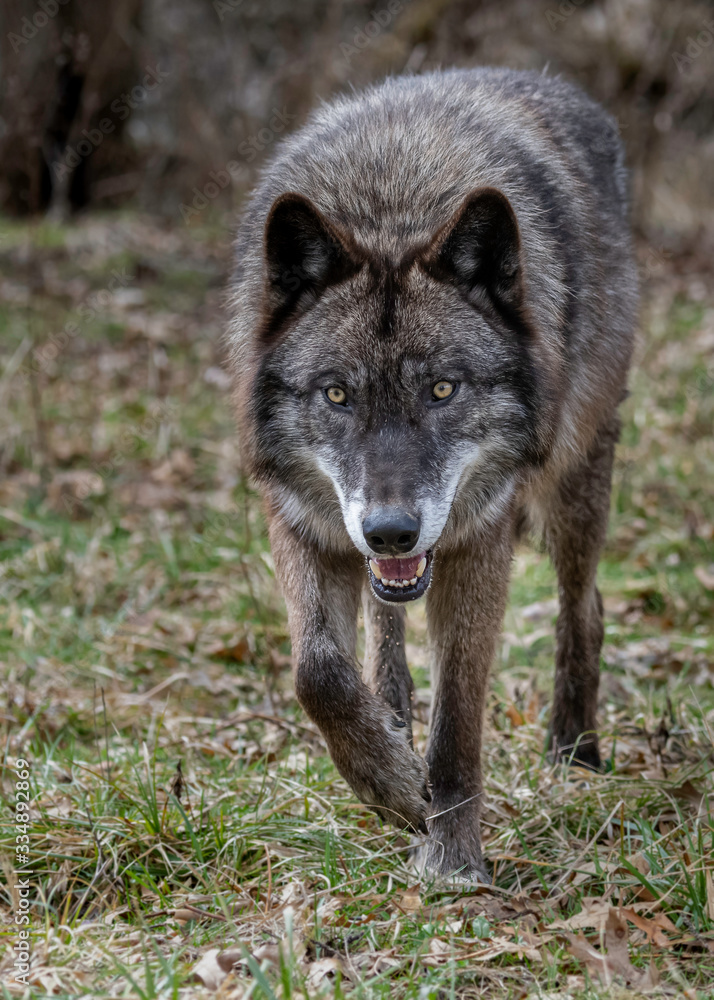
[390, 165]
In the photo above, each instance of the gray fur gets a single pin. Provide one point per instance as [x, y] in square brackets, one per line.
[470, 225]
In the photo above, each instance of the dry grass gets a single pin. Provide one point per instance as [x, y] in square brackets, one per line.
[184, 810]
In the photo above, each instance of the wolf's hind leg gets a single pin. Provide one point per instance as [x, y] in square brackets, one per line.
[385, 662]
[575, 529]
[368, 744]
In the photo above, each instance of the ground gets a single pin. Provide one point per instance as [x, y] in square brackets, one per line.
[188, 836]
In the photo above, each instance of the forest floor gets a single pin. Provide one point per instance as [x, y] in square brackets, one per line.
[188, 835]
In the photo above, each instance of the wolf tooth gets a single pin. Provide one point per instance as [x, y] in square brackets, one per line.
[431, 327]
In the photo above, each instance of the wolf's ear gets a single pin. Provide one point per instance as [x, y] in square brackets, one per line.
[304, 254]
[478, 250]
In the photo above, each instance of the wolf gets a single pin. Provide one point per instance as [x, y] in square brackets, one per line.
[431, 322]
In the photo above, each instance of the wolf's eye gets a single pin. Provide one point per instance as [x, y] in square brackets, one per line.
[442, 389]
[336, 395]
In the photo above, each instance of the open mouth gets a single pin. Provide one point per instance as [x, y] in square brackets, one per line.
[400, 580]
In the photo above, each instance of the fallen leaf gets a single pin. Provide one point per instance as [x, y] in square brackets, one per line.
[687, 792]
[187, 912]
[68, 490]
[515, 717]
[615, 959]
[439, 952]
[229, 958]
[502, 946]
[498, 910]
[208, 970]
[237, 650]
[215, 965]
[581, 949]
[653, 927]
[594, 913]
[324, 968]
[532, 708]
[410, 900]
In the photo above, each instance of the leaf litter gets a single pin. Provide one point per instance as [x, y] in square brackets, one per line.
[190, 836]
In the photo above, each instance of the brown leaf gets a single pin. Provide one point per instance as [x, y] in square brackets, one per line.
[615, 960]
[515, 717]
[324, 968]
[229, 958]
[216, 965]
[187, 912]
[498, 910]
[439, 952]
[618, 956]
[501, 946]
[653, 927]
[532, 708]
[68, 491]
[266, 953]
[410, 900]
[689, 793]
[208, 970]
[237, 651]
[594, 913]
[581, 949]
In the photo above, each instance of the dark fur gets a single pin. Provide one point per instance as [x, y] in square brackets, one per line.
[470, 225]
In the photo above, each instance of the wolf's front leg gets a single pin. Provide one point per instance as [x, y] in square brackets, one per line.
[465, 608]
[367, 742]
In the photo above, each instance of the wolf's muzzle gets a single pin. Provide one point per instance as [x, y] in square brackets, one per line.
[391, 531]
[399, 580]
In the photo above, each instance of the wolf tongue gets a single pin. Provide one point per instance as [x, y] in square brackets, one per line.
[399, 569]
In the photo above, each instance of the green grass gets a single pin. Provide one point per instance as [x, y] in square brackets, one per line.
[181, 802]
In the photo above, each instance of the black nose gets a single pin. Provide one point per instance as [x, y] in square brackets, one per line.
[389, 529]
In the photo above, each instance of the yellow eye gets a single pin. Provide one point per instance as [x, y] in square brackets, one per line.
[442, 389]
[337, 395]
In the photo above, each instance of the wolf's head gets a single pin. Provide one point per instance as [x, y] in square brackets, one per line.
[396, 395]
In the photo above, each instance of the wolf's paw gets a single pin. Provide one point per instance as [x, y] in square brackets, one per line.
[401, 794]
[431, 861]
[577, 750]
[453, 850]
[386, 774]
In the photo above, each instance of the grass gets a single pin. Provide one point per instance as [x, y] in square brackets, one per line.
[182, 804]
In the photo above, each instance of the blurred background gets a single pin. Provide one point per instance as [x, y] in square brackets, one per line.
[144, 656]
[185, 86]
